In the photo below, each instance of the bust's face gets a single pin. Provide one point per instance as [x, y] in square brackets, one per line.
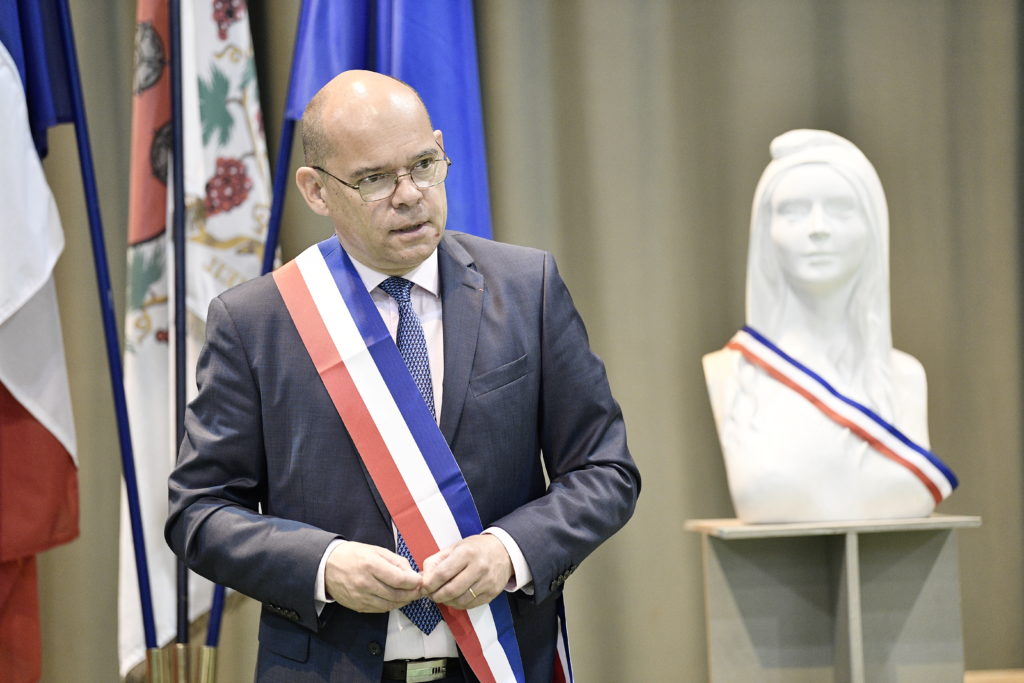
[818, 228]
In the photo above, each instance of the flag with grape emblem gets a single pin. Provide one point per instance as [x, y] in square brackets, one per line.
[227, 196]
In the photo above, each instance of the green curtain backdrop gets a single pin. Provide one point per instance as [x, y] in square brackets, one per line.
[627, 137]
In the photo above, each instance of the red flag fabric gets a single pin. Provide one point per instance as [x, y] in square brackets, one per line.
[151, 123]
[20, 642]
[38, 485]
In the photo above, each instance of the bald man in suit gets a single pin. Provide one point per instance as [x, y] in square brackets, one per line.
[270, 496]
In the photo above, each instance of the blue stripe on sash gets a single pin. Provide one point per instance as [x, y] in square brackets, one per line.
[402, 387]
[875, 417]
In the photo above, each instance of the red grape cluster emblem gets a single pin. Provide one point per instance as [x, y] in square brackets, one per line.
[228, 187]
[225, 13]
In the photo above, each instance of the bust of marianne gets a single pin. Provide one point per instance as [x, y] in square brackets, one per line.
[819, 418]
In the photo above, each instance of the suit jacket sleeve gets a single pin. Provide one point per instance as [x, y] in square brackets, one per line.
[220, 482]
[594, 482]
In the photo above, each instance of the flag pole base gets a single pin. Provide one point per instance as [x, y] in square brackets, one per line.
[181, 663]
[208, 665]
[156, 666]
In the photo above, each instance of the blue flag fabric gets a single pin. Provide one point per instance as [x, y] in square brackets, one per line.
[429, 44]
[30, 30]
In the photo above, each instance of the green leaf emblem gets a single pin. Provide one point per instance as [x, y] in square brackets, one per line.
[213, 107]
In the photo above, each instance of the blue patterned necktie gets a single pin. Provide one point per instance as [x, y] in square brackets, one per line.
[412, 345]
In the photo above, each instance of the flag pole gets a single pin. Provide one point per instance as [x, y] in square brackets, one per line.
[208, 657]
[283, 161]
[154, 660]
[181, 663]
[284, 156]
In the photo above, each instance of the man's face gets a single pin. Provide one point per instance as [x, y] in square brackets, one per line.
[396, 234]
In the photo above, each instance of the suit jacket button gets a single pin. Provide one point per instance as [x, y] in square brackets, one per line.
[375, 649]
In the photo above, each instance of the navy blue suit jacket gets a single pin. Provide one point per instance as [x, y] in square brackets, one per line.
[267, 475]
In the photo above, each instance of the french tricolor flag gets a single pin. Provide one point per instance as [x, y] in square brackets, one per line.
[38, 467]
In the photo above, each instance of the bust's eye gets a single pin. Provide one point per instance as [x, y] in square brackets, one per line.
[793, 209]
[842, 207]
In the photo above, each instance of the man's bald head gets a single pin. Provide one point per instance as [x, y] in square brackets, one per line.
[361, 125]
[350, 102]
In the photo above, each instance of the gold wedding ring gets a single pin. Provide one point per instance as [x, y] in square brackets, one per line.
[472, 593]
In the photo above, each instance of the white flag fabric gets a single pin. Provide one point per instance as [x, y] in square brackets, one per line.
[227, 195]
[32, 364]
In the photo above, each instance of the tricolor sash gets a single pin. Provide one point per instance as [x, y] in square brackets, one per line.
[859, 419]
[396, 436]
[563, 665]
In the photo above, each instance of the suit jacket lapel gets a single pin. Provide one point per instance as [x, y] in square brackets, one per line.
[462, 297]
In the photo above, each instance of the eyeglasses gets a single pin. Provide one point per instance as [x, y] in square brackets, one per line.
[426, 172]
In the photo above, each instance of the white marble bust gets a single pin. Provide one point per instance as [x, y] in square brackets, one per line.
[818, 287]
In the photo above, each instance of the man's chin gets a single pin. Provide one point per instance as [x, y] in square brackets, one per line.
[406, 259]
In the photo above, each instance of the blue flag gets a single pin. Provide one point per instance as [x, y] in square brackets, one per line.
[429, 44]
[29, 29]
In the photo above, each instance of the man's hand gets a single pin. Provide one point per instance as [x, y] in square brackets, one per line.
[368, 578]
[467, 574]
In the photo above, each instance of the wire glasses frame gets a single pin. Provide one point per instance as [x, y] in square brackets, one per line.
[426, 172]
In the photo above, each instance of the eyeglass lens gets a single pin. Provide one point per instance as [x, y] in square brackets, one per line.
[424, 173]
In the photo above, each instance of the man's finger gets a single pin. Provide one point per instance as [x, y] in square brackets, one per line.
[442, 567]
[436, 558]
[395, 571]
[369, 578]
[479, 562]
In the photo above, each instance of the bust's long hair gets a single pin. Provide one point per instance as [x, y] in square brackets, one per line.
[864, 359]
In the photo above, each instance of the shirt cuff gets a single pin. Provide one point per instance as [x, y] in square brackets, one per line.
[522, 577]
[320, 597]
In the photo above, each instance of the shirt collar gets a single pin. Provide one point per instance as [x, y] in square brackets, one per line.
[425, 275]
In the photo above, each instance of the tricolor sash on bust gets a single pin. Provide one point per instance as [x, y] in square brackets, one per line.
[882, 436]
[396, 436]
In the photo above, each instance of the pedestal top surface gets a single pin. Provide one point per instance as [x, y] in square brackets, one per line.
[735, 529]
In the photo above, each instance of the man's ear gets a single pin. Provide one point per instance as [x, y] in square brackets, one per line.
[312, 189]
[439, 138]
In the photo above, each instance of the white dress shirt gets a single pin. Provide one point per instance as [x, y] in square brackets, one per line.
[405, 640]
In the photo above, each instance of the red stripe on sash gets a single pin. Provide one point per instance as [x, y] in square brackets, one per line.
[853, 427]
[558, 675]
[469, 642]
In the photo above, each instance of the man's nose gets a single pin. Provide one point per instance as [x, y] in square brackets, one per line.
[406, 192]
